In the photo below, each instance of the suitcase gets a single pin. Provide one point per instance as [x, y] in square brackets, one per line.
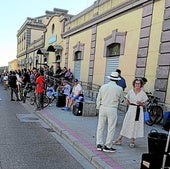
[153, 161]
[61, 101]
[78, 109]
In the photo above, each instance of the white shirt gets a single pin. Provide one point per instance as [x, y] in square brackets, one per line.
[77, 90]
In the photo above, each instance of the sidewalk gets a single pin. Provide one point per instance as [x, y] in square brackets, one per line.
[80, 132]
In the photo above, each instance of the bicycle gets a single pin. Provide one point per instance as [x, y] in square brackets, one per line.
[53, 97]
[154, 109]
[25, 89]
[33, 100]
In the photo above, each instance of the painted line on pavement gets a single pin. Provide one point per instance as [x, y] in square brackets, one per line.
[100, 154]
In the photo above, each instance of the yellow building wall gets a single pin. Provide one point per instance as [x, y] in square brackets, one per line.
[127, 62]
[154, 44]
[85, 38]
[35, 34]
[99, 9]
[13, 65]
[60, 41]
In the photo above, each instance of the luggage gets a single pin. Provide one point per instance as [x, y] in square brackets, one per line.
[153, 161]
[78, 108]
[61, 101]
[166, 121]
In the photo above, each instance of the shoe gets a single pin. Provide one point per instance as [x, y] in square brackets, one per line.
[117, 142]
[99, 147]
[18, 100]
[65, 108]
[12, 100]
[132, 145]
[109, 150]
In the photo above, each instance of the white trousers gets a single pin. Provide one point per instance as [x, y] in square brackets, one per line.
[107, 118]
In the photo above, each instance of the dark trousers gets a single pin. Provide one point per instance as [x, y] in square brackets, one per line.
[40, 100]
[14, 90]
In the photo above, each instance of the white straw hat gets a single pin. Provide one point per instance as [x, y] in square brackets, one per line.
[114, 76]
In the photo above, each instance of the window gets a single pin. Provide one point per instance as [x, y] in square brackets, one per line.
[58, 57]
[52, 30]
[77, 55]
[113, 50]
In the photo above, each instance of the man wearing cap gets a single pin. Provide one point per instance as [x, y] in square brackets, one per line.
[76, 91]
[107, 103]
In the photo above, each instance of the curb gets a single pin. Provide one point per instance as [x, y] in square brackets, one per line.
[84, 149]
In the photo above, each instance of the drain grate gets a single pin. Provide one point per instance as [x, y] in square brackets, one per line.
[27, 117]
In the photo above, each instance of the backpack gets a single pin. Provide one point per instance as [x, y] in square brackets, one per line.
[78, 108]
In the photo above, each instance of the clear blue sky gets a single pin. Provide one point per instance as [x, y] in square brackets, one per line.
[14, 13]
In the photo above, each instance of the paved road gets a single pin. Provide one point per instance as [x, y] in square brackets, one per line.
[80, 132]
[26, 142]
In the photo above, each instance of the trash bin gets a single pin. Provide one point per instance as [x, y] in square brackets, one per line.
[157, 142]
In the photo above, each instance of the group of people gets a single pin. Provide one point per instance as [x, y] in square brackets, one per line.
[64, 73]
[109, 96]
[37, 77]
[107, 102]
[65, 90]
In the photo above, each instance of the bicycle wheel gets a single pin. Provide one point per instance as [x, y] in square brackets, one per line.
[32, 100]
[156, 114]
[149, 122]
[46, 101]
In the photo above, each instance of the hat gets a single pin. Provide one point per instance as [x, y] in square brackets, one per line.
[114, 76]
[75, 80]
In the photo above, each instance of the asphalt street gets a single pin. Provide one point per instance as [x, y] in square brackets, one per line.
[27, 142]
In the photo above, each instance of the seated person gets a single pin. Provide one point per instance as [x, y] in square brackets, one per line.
[66, 88]
[50, 90]
[76, 92]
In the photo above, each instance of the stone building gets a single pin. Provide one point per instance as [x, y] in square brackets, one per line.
[132, 35]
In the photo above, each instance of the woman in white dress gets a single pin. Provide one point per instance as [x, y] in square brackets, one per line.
[133, 124]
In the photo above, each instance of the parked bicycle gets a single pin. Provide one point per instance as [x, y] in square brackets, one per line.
[25, 89]
[154, 109]
[33, 100]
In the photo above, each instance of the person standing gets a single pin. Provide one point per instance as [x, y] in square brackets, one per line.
[13, 85]
[133, 124]
[122, 82]
[40, 88]
[107, 103]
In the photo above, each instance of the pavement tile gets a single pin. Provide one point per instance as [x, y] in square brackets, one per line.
[80, 132]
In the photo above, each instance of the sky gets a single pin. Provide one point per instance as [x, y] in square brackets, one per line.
[15, 12]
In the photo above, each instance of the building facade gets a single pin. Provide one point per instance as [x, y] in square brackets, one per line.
[132, 35]
[129, 35]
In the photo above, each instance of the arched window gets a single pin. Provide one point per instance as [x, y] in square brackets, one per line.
[78, 55]
[58, 58]
[113, 50]
[52, 29]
